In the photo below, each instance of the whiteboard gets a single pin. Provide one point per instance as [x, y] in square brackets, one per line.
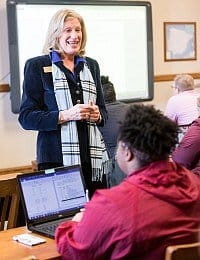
[119, 37]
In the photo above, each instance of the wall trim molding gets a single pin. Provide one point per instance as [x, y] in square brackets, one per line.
[4, 88]
[157, 78]
[170, 77]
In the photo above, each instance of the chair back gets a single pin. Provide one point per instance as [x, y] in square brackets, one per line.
[183, 252]
[9, 198]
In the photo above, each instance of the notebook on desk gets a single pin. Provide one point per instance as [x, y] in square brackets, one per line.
[51, 197]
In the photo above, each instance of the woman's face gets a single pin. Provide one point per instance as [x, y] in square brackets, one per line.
[71, 37]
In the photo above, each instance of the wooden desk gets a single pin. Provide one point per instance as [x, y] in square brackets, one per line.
[13, 250]
[7, 176]
[9, 192]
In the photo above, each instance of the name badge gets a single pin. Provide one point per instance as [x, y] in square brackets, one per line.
[47, 69]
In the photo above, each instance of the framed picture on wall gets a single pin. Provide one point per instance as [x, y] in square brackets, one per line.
[180, 41]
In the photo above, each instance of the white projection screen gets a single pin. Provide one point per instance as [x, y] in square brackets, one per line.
[119, 37]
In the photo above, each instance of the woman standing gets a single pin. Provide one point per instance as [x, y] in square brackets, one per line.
[62, 99]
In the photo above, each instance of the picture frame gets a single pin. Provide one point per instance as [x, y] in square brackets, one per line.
[180, 41]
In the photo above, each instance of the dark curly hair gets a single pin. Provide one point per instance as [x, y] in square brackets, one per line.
[148, 133]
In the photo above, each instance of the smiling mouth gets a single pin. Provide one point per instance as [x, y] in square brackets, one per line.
[72, 43]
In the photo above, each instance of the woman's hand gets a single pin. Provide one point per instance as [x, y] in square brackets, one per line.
[89, 112]
[94, 112]
[77, 112]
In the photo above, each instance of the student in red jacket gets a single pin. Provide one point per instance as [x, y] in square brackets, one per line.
[158, 204]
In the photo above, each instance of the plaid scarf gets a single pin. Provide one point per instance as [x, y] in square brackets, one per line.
[69, 134]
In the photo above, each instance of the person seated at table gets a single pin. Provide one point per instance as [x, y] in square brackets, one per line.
[181, 107]
[156, 205]
[116, 111]
[187, 153]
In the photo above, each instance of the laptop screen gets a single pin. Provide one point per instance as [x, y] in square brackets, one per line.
[52, 192]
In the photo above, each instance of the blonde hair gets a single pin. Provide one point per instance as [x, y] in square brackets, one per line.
[56, 27]
[184, 82]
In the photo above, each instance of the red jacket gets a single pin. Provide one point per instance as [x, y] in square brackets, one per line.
[187, 153]
[157, 206]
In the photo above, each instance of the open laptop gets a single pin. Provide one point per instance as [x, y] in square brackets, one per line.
[52, 196]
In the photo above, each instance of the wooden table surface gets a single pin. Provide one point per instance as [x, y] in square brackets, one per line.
[13, 250]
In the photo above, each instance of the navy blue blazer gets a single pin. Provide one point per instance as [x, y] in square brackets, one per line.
[39, 110]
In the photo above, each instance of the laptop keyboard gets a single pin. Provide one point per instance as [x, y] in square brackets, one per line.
[47, 228]
[50, 227]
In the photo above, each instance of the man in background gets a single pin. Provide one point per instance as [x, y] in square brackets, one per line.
[181, 107]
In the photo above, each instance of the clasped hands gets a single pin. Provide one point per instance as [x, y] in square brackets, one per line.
[89, 112]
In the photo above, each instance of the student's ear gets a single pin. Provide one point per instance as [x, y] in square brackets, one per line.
[129, 154]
